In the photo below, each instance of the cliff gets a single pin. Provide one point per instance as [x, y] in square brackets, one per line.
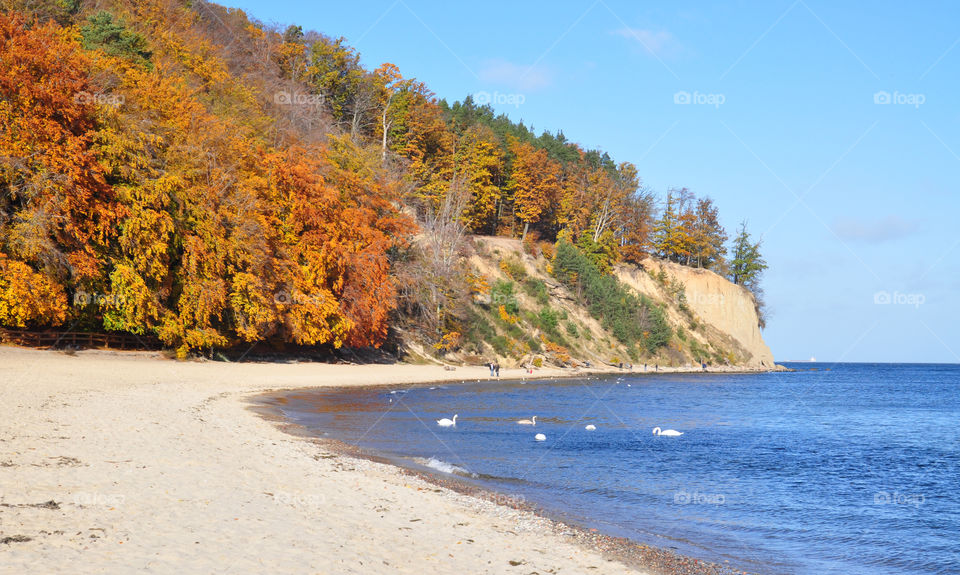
[713, 300]
[524, 316]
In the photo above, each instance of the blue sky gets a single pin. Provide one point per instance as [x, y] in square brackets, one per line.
[832, 128]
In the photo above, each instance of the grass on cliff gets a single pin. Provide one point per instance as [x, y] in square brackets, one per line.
[631, 319]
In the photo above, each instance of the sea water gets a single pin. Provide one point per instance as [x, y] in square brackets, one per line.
[845, 468]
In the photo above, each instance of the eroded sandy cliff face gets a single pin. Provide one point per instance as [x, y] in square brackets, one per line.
[715, 301]
[711, 319]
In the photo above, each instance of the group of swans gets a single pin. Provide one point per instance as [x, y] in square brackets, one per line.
[446, 422]
[533, 421]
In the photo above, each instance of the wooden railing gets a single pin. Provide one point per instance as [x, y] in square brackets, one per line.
[79, 339]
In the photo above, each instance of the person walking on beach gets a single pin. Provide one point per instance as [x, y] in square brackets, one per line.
[490, 365]
[497, 368]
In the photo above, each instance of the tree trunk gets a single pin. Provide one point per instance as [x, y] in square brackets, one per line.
[383, 145]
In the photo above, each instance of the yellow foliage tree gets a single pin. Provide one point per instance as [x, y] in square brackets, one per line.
[29, 298]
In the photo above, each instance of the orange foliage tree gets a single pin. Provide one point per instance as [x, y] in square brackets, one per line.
[534, 182]
[57, 213]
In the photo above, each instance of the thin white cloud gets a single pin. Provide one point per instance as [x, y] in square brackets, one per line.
[659, 43]
[515, 76]
[875, 231]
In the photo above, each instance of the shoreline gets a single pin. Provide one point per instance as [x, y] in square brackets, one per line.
[634, 554]
[117, 461]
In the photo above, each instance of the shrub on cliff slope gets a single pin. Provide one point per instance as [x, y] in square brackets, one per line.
[631, 319]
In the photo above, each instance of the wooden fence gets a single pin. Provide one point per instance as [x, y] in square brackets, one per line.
[79, 340]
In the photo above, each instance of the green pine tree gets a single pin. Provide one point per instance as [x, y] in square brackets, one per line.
[103, 32]
[746, 269]
[746, 265]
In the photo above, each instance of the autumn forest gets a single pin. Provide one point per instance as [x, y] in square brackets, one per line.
[180, 170]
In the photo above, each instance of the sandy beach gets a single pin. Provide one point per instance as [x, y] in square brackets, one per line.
[128, 462]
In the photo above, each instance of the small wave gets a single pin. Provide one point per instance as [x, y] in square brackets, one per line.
[445, 467]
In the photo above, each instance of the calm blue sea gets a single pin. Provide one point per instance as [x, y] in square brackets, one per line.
[852, 468]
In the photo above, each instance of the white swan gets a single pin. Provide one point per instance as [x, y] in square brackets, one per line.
[447, 422]
[591, 427]
[528, 421]
[667, 432]
[540, 437]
